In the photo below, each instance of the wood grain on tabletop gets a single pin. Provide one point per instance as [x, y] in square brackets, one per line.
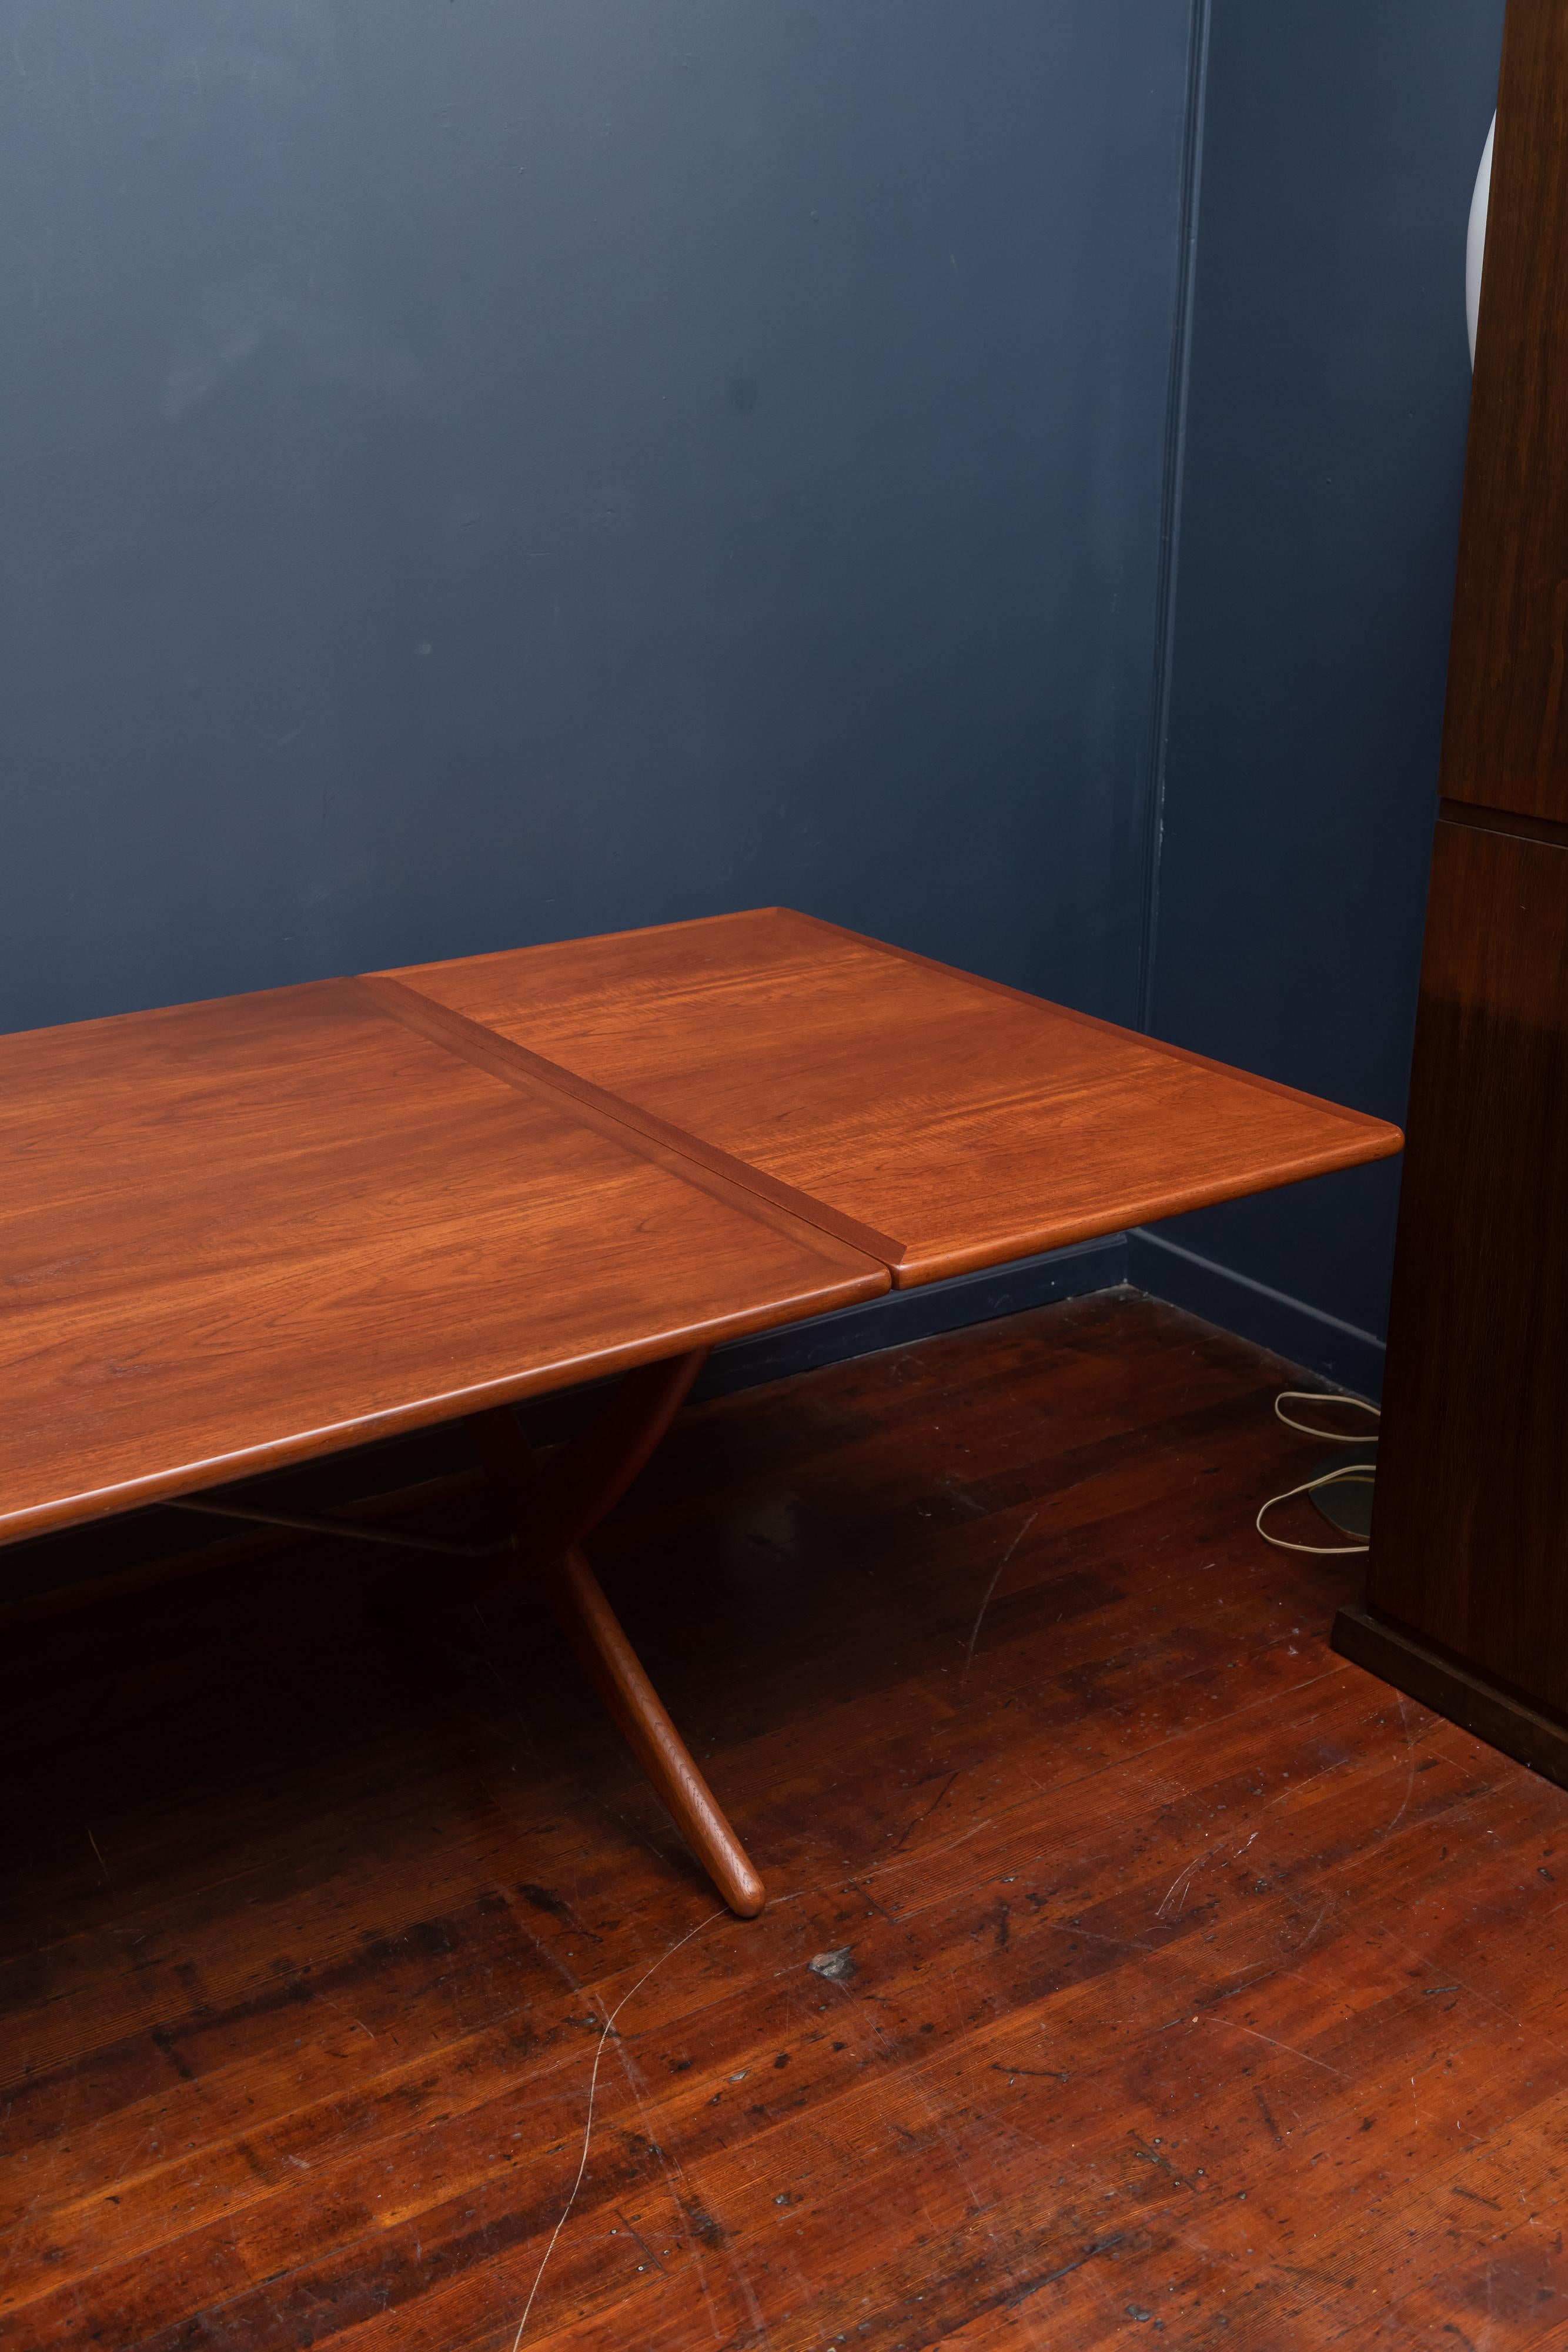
[955, 1122]
[1505, 738]
[237, 1233]
[1175, 1980]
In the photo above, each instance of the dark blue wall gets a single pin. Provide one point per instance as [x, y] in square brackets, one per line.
[1327, 397]
[473, 474]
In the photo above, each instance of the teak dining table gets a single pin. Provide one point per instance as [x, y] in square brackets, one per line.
[240, 1235]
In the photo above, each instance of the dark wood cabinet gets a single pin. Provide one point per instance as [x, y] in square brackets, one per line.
[1466, 1596]
[1471, 1526]
[1505, 741]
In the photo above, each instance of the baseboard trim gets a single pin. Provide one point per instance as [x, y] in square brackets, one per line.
[1341, 1352]
[1499, 1717]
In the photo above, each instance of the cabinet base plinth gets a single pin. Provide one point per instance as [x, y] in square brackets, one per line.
[1503, 1718]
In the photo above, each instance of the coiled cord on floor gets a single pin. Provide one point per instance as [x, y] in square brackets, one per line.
[1354, 1473]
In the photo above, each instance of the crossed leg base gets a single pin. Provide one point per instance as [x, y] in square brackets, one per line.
[552, 1507]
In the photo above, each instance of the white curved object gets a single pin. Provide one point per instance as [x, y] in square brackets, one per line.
[1476, 240]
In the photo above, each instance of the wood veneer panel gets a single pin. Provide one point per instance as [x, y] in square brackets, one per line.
[1506, 739]
[967, 1122]
[1472, 1484]
[237, 1233]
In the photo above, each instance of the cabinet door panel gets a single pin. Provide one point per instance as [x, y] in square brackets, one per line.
[1470, 1540]
[1505, 745]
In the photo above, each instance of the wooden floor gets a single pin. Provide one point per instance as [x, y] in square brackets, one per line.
[1136, 1968]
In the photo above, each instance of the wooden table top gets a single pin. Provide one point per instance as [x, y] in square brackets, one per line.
[237, 1235]
[939, 1121]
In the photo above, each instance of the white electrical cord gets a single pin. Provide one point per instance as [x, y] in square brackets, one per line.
[1352, 1473]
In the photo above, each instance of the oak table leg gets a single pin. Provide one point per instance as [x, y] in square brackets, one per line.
[553, 1506]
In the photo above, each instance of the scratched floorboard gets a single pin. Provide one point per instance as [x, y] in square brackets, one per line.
[1193, 1986]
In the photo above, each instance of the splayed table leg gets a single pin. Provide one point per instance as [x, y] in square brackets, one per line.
[553, 1506]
